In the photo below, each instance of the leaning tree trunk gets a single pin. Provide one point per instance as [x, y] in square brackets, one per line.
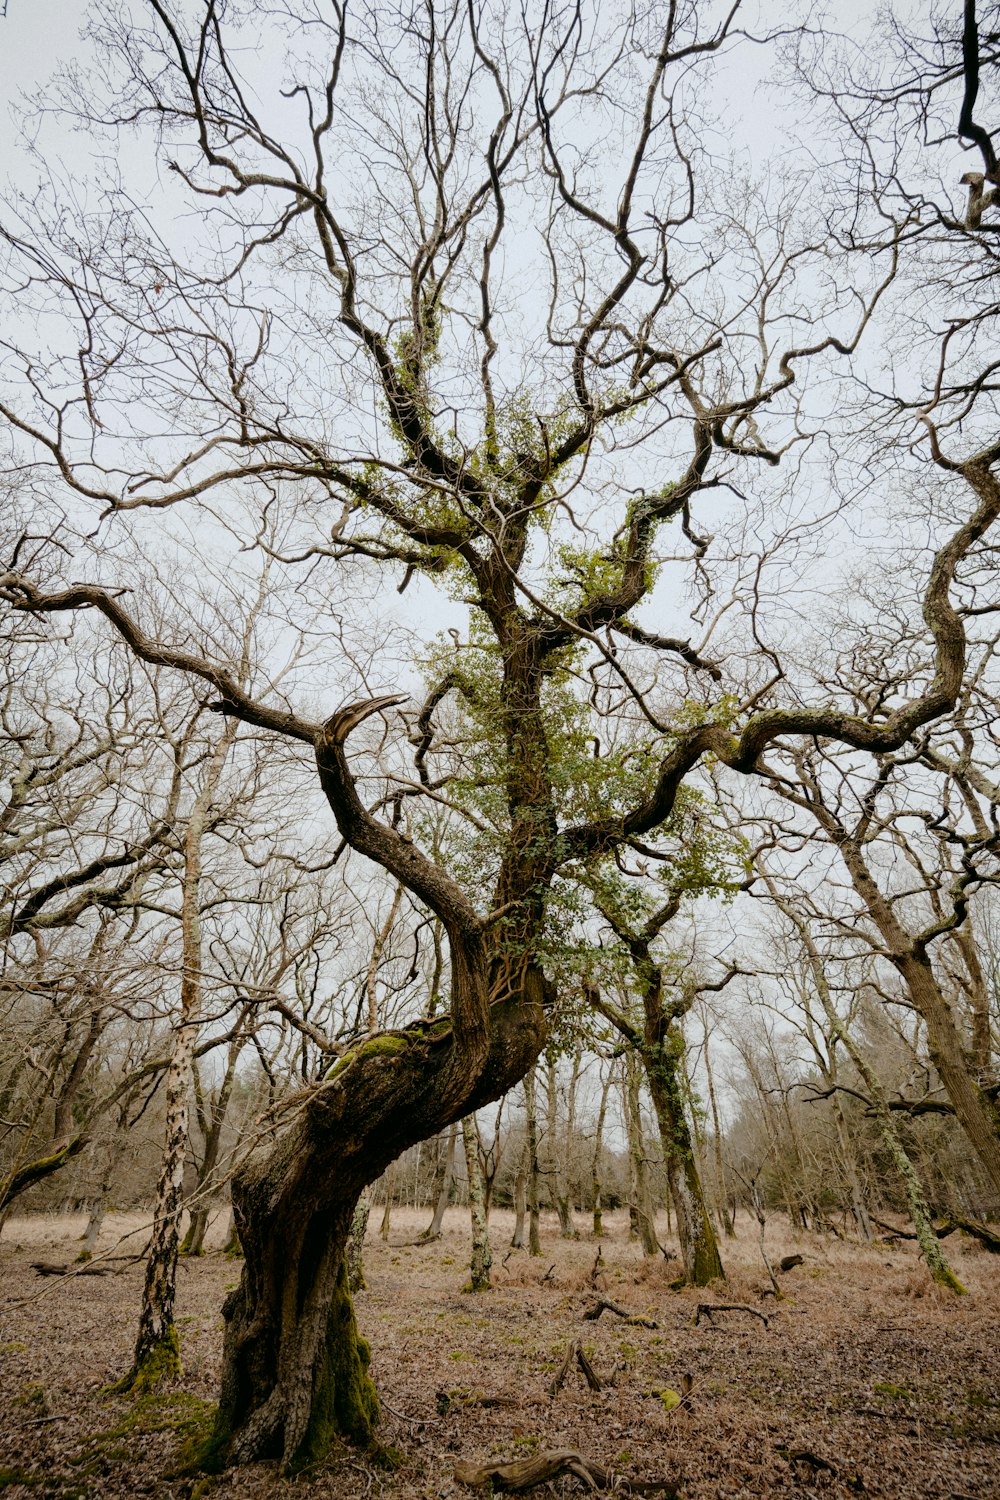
[295, 1370]
[356, 1245]
[976, 1108]
[930, 1246]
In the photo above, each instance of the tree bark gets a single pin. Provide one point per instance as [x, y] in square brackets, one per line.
[211, 1121]
[531, 1117]
[976, 1111]
[930, 1247]
[595, 1171]
[294, 1367]
[517, 1239]
[356, 1245]
[482, 1253]
[664, 1070]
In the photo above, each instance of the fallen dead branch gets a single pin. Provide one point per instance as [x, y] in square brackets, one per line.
[525, 1473]
[604, 1304]
[50, 1268]
[461, 1398]
[986, 1236]
[574, 1351]
[805, 1456]
[708, 1308]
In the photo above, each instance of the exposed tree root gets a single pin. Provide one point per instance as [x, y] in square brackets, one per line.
[525, 1473]
[604, 1304]
[708, 1308]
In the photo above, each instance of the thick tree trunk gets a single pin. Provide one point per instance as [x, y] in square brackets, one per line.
[294, 1368]
[482, 1253]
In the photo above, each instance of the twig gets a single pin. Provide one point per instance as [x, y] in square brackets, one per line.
[708, 1308]
[414, 1421]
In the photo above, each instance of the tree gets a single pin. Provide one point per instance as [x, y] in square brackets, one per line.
[930, 1247]
[346, 369]
[899, 930]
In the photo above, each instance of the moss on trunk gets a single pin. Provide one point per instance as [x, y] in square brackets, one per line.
[345, 1403]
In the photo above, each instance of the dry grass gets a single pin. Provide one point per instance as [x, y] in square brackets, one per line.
[865, 1367]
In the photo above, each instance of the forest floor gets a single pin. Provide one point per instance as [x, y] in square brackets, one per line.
[866, 1379]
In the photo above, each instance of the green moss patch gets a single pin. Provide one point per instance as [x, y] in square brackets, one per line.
[187, 1416]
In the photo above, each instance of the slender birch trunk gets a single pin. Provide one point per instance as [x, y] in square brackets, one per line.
[442, 1185]
[482, 1253]
[534, 1236]
[595, 1170]
[644, 1218]
[157, 1348]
